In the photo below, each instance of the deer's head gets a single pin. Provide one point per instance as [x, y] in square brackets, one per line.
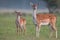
[18, 13]
[34, 6]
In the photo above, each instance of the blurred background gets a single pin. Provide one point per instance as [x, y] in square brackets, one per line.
[24, 5]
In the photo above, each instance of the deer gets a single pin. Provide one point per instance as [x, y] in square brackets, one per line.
[20, 22]
[40, 19]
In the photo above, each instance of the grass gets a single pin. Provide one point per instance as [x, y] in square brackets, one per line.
[8, 29]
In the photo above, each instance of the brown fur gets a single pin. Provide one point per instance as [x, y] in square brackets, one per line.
[40, 18]
[51, 17]
[20, 24]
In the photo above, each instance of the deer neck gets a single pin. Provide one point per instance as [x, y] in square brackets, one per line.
[18, 17]
[34, 13]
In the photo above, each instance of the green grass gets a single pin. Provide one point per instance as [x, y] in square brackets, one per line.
[8, 29]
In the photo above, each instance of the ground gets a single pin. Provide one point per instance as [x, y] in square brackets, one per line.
[8, 29]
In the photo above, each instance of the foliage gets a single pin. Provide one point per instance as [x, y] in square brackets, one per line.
[51, 3]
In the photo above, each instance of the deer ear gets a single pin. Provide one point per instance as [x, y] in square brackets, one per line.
[15, 11]
[31, 3]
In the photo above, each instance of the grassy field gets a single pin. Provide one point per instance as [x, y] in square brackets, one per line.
[8, 29]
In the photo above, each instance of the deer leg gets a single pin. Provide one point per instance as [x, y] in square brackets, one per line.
[55, 29]
[51, 30]
[24, 27]
[20, 28]
[17, 28]
[39, 27]
[37, 30]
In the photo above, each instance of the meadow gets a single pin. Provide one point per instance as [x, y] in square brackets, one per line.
[8, 29]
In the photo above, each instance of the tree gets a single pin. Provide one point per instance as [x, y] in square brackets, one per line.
[52, 5]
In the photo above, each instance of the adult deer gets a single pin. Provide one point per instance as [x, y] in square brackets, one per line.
[43, 19]
[20, 22]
